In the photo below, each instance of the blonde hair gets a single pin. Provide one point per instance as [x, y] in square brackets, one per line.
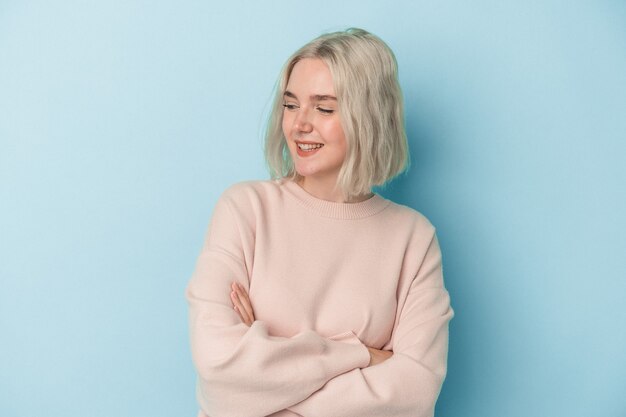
[365, 79]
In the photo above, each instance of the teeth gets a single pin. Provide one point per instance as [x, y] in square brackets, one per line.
[308, 147]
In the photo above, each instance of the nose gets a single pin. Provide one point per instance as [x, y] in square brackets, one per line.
[302, 122]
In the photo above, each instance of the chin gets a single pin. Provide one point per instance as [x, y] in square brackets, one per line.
[304, 172]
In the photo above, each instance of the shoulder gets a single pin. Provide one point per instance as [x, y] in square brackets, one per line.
[250, 193]
[417, 232]
[409, 219]
[249, 188]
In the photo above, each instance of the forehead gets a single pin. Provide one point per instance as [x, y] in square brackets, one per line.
[311, 76]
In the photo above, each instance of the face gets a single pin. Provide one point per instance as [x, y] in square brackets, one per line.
[311, 122]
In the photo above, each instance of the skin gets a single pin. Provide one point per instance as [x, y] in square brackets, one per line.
[243, 307]
[311, 115]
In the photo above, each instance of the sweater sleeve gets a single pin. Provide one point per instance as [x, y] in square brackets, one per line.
[244, 371]
[408, 383]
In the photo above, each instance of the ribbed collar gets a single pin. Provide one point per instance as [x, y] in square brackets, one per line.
[366, 208]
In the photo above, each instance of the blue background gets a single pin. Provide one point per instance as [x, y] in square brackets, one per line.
[121, 122]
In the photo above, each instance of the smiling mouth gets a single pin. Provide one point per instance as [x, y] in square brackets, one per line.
[308, 147]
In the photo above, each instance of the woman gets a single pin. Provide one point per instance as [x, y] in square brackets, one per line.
[312, 295]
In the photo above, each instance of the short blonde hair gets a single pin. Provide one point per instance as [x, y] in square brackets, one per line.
[365, 79]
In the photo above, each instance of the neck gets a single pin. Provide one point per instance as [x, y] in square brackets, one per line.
[326, 190]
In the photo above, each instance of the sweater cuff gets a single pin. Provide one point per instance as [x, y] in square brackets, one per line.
[360, 350]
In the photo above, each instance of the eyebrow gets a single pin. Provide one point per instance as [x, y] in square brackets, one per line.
[316, 97]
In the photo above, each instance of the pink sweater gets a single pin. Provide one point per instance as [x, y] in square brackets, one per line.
[325, 279]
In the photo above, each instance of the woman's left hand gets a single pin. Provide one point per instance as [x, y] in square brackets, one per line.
[242, 304]
[243, 307]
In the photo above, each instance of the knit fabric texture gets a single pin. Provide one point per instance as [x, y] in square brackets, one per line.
[325, 279]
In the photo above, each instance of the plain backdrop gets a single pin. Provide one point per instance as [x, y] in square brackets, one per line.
[121, 122]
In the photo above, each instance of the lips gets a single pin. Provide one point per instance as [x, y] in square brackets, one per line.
[306, 149]
[301, 142]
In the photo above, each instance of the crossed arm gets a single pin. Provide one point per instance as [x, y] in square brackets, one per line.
[405, 382]
[244, 371]
[243, 307]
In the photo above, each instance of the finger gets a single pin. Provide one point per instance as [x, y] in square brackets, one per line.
[245, 301]
[242, 300]
[243, 296]
[237, 301]
[239, 314]
[240, 308]
[237, 306]
[246, 310]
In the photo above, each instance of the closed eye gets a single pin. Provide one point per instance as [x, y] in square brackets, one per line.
[325, 111]
[290, 106]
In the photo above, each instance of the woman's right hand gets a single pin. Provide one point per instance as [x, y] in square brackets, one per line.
[243, 306]
[378, 356]
[241, 303]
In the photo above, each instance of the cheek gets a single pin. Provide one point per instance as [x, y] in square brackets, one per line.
[337, 133]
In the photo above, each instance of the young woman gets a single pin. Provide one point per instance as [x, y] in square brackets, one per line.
[312, 295]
